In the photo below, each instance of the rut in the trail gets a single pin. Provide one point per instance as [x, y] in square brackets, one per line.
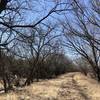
[70, 90]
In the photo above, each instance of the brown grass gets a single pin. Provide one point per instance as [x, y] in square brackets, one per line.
[72, 86]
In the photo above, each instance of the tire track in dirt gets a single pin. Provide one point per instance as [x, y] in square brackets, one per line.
[70, 90]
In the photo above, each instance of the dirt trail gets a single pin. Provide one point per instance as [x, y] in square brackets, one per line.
[71, 90]
[71, 86]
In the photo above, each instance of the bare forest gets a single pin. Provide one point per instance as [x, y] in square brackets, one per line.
[46, 41]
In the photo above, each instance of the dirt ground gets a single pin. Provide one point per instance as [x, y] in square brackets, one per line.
[71, 86]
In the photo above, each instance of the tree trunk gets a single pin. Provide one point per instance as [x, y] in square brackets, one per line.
[29, 78]
[5, 85]
[98, 74]
[9, 81]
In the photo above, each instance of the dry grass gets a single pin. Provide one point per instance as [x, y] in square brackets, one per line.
[72, 86]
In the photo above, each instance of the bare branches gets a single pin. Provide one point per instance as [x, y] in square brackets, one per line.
[82, 35]
[3, 4]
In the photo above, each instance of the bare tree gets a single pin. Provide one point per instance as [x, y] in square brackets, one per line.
[38, 46]
[82, 35]
[12, 24]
